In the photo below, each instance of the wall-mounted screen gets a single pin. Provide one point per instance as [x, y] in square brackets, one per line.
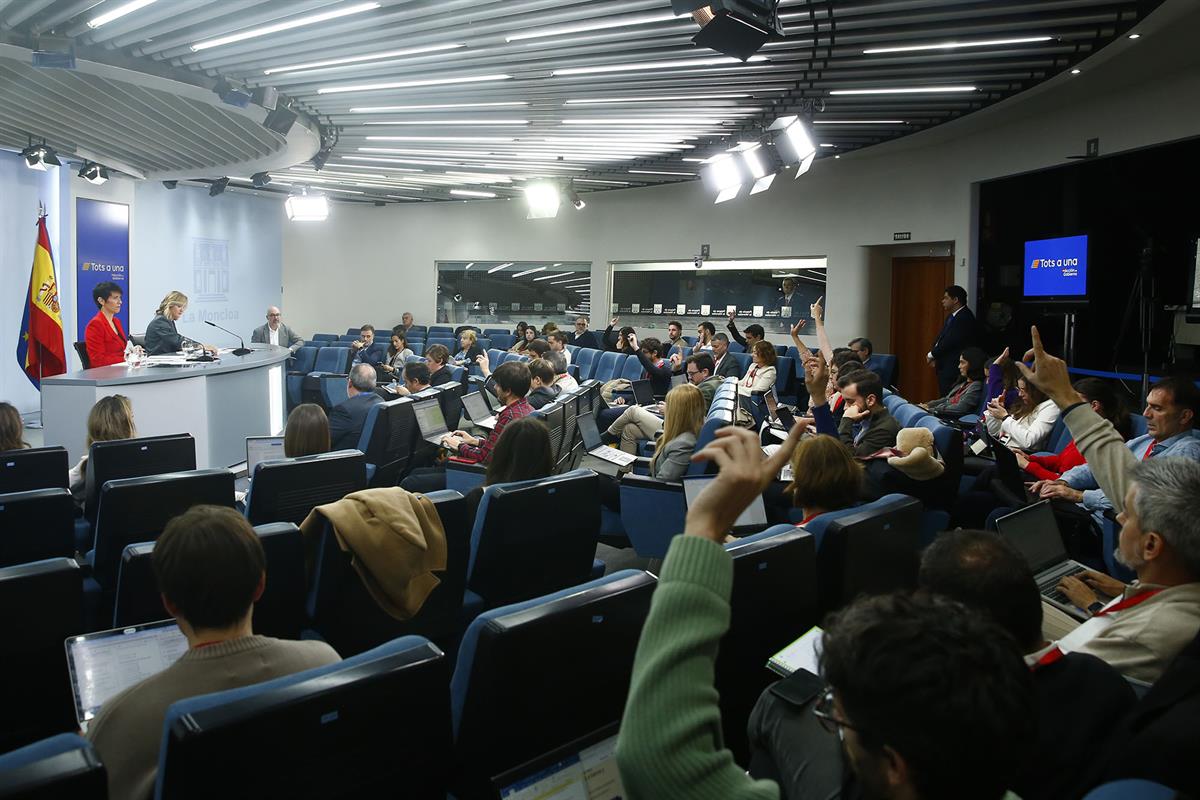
[483, 292]
[773, 292]
[1056, 269]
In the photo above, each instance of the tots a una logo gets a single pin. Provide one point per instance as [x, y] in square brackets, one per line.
[87, 266]
[1037, 262]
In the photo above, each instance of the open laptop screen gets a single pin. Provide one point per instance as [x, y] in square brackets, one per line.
[588, 431]
[262, 448]
[476, 406]
[643, 393]
[585, 769]
[107, 662]
[1034, 531]
[755, 516]
[429, 418]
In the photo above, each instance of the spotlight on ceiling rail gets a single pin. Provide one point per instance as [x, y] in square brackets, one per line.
[40, 156]
[232, 93]
[260, 179]
[217, 187]
[736, 28]
[170, 184]
[576, 200]
[92, 172]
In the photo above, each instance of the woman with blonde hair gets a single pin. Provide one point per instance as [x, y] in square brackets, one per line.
[825, 477]
[161, 335]
[470, 348]
[11, 428]
[110, 420]
[307, 431]
[683, 416]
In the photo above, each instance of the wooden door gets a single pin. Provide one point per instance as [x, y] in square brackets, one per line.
[917, 318]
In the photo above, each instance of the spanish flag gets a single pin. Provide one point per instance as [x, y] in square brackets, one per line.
[40, 350]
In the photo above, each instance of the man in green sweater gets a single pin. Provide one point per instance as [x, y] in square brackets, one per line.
[929, 700]
[211, 569]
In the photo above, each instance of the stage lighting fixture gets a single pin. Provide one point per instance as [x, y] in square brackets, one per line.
[170, 184]
[759, 163]
[723, 175]
[260, 179]
[805, 164]
[791, 136]
[232, 94]
[736, 28]
[544, 199]
[265, 96]
[280, 120]
[92, 172]
[576, 200]
[217, 187]
[40, 156]
[307, 207]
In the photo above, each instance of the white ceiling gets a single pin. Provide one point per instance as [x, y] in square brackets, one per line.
[609, 94]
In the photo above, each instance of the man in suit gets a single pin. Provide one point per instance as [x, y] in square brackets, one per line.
[957, 334]
[788, 303]
[275, 332]
[347, 417]
[584, 337]
[724, 364]
[366, 350]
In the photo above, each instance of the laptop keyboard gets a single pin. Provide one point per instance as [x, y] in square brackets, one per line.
[1049, 583]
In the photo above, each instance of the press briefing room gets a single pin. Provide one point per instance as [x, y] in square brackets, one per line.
[630, 399]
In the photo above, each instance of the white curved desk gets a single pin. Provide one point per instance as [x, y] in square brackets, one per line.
[219, 403]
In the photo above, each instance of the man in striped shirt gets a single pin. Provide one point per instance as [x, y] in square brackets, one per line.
[511, 381]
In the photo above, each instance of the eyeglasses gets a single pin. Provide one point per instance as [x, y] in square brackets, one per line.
[823, 710]
[580, 324]
[274, 315]
[691, 373]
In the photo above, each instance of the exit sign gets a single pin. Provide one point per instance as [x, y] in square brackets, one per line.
[902, 236]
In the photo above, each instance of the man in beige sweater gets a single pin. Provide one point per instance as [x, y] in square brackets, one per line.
[1158, 614]
[211, 569]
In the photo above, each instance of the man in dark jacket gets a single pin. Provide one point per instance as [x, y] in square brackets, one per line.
[542, 389]
[347, 417]
[584, 337]
[866, 425]
[958, 333]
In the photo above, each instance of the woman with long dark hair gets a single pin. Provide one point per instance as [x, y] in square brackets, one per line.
[965, 394]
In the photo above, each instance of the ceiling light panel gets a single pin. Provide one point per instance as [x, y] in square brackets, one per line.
[334, 62]
[266, 30]
[118, 12]
[433, 107]
[594, 25]
[372, 87]
[645, 66]
[914, 48]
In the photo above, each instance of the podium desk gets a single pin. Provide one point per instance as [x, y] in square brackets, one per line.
[219, 403]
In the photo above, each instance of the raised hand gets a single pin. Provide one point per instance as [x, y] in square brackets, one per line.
[613, 322]
[1003, 358]
[816, 375]
[798, 327]
[815, 309]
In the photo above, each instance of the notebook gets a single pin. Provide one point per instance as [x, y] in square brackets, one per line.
[752, 520]
[585, 769]
[1034, 532]
[804, 653]
[104, 663]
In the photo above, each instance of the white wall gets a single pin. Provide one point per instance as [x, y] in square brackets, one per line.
[163, 228]
[374, 263]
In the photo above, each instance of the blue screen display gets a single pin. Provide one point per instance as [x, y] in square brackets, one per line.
[1056, 267]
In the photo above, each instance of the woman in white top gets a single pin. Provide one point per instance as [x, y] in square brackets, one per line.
[761, 375]
[109, 420]
[1027, 425]
[397, 355]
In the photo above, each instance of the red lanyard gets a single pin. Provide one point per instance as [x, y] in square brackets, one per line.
[1130, 602]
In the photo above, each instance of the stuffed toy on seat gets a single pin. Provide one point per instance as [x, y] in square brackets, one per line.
[919, 461]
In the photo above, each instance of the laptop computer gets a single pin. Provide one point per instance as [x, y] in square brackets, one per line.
[106, 662]
[643, 393]
[612, 460]
[430, 420]
[477, 409]
[1008, 471]
[262, 448]
[585, 768]
[1034, 532]
[752, 520]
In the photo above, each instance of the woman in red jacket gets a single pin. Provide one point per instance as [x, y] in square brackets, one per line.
[1104, 402]
[104, 336]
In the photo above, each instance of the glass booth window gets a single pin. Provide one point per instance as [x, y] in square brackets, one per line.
[507, 292]
[773, 292]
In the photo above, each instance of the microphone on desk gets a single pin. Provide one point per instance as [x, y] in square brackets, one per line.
[240, 351]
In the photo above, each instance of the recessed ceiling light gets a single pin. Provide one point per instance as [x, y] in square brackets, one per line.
[489, 139]
[1135, 36]
[661, 172]
[468, 266]
[333, 62]
[597, 180]
[603, 100]
[528, 272]
[956, 45]
[472, 193]
[448, 122]
[1076, 71]
[311, 19]
[858, 122]
[908, 90]
[652, 65]
[501, 266]
[584, 27]
[555, 275]
[118, 12]
[370, 87]
[433, 107]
